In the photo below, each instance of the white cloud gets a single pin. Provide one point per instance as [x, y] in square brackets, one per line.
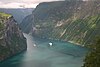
[17, 5]
[21, 3]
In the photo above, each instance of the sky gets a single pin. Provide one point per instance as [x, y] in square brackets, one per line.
[21, 3]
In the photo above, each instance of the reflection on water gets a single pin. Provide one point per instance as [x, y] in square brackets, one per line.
[40, 54]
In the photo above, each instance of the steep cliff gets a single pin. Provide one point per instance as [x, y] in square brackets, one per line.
[75, 21]
[12, 40]
[26, 24]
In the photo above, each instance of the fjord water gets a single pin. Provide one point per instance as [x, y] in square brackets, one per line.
[40, 54]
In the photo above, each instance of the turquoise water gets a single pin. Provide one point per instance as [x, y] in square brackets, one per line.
[40, 54]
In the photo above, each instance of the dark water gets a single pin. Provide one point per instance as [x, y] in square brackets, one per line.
[61, 54]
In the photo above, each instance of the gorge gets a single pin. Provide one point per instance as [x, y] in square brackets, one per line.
[58, 34]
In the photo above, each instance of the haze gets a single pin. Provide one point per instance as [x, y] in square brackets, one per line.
[21, 3]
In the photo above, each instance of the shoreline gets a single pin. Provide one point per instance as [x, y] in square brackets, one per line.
[72, 42]
[9, 57]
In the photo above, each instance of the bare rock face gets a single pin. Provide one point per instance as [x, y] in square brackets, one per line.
[12, 40]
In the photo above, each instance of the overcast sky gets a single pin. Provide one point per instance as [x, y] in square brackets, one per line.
[21, 3]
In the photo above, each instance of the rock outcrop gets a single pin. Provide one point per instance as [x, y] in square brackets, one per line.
[12, 40]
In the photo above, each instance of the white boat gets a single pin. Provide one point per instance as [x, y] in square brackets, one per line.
[51, 44]
[34, 45]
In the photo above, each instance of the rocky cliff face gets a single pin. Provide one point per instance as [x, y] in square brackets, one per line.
[74, 21]
[12, 40]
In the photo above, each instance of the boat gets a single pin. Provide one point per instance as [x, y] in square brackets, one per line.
[51, 44]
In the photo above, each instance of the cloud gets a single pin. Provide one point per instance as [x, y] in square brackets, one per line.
[17, 5]
[21, 3]
[26, 1]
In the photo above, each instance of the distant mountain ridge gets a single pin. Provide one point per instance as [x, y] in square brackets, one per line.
[18, 13]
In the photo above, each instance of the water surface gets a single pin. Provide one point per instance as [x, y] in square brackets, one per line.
[40, 54]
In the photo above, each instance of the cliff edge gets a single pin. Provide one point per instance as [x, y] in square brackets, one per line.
[12, 40]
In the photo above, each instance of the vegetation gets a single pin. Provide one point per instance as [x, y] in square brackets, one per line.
[1, 26]
[93, 58]
[74, 21]
[11, 39]
[5, 15]
[3, 18]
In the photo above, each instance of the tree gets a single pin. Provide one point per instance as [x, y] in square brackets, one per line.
[93, 58]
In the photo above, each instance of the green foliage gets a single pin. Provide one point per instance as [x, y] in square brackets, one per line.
[1, 26]
[5, 15]
[3, 18]
[93, 58]
[13, 42]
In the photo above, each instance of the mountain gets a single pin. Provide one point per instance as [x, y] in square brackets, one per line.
[12, 40]
[18, 13]
[26, 24]
[74, 21]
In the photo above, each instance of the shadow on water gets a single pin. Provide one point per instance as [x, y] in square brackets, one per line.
[40, 54]
[61, 47]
